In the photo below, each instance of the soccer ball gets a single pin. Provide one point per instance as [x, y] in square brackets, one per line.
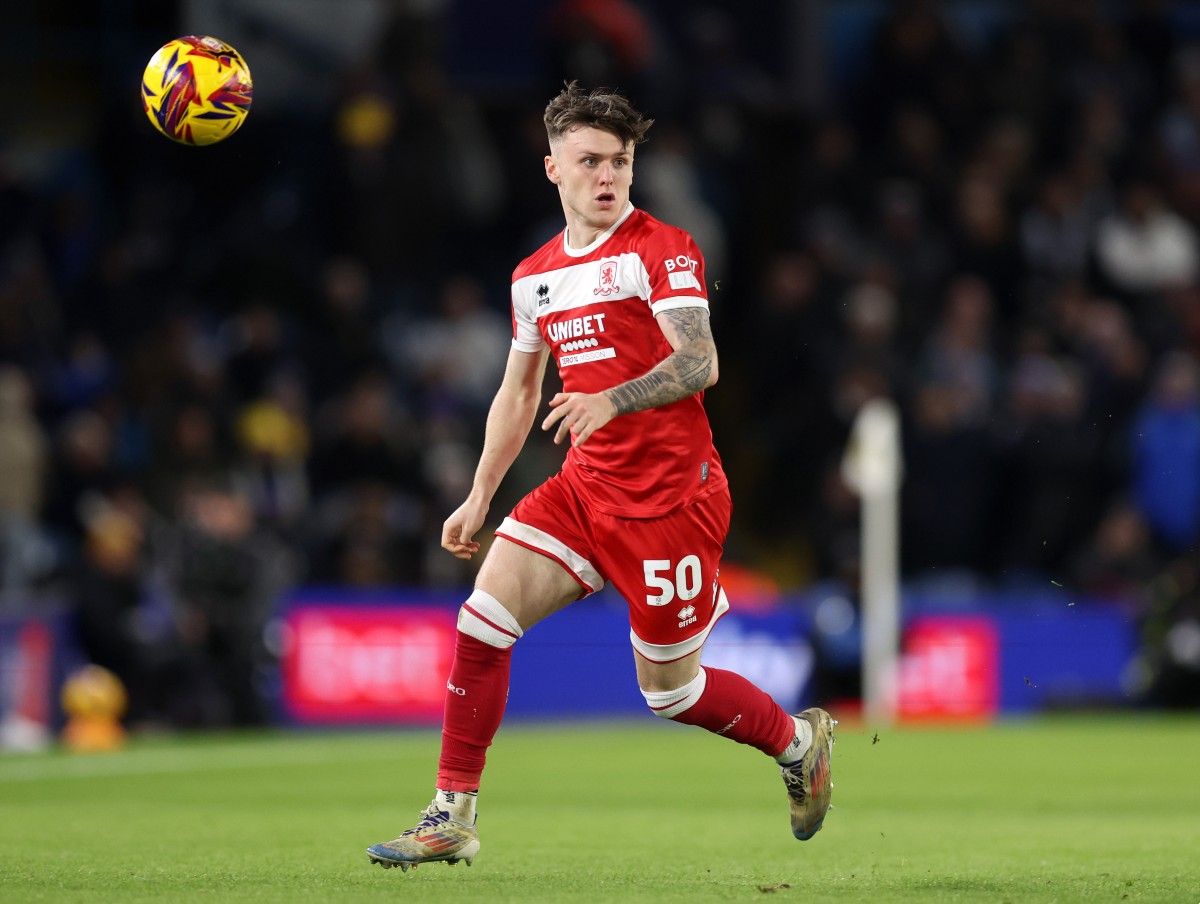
[197, 90]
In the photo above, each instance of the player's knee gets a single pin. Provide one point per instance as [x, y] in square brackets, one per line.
[484, 617]
[670, 704]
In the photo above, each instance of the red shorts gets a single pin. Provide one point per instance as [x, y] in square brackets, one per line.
[665, 568]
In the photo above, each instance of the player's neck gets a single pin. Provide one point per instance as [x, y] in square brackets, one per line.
[580, 235]
[583, 233]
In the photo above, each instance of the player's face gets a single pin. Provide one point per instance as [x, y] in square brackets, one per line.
[593, 171]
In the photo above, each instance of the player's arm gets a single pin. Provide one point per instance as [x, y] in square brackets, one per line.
[690, 368]
[508, 423]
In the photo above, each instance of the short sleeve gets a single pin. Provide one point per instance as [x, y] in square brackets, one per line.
[526, 335]
[675, 269]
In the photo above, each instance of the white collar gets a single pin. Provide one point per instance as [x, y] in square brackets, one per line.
[601, 238]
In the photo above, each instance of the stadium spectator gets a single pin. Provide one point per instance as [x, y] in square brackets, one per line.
[1166, 454]
[914, 249]
[222, 575]
[339, 335]
[82, 466]
[1144, 247]
[371, 446]
[1056, 231]
[1047, 456]
[25, 552]
[272, 455]
[108, 586]
[948, 455]
[1118, 562]
[452, 352]
[960, 350]
[793, 430]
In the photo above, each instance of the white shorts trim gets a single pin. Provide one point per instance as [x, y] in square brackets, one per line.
[670, 652]
[540, 541]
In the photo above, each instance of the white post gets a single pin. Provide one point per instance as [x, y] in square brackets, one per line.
[872, 465]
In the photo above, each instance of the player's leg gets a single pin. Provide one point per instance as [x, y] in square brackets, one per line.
[667, 571]
[531, 587]
[516, 588]
[526, 576]
[727, 704]
[717, 700]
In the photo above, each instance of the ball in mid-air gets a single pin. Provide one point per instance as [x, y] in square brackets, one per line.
[197, 90]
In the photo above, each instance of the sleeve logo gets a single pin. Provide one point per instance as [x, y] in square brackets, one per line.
[683, 280]
[681, 272]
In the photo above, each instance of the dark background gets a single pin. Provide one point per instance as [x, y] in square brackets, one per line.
[228, 371]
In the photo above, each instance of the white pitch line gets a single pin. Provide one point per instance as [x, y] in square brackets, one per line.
[208, 759]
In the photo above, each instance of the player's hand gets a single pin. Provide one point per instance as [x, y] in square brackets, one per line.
[459, 529]
[580, 413]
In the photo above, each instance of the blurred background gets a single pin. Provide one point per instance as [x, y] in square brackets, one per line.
[241, 386]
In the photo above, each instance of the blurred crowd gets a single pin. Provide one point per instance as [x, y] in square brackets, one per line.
[230, 371]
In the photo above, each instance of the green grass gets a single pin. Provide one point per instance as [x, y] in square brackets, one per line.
[1058, 810]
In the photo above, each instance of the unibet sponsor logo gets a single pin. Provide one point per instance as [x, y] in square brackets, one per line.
[577, 334]
[587, 325]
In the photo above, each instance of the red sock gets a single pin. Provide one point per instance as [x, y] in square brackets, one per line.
[476, 695]
[733, 707]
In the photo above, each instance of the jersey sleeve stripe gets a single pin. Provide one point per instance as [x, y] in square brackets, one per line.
[678, 301]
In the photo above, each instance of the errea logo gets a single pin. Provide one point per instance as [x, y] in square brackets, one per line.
[686, 615]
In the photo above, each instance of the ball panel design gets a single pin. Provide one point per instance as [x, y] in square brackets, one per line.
[197, 90]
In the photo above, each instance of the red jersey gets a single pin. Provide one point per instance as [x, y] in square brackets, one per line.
[595, 307]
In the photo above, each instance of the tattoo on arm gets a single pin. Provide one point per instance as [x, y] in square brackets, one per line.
[655, 388]
[681, 374]
[690, 323]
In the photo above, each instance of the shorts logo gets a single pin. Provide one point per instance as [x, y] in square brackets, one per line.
[686, 616]
[608, 279]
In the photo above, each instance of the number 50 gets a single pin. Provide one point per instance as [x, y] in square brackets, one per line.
[686, 584]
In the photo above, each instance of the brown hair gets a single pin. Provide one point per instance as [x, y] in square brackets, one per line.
[600, 108]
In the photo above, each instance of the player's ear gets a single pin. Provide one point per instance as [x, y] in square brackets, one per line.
[552, 169]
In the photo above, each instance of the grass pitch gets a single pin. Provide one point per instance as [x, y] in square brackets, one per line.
[1056, 810]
